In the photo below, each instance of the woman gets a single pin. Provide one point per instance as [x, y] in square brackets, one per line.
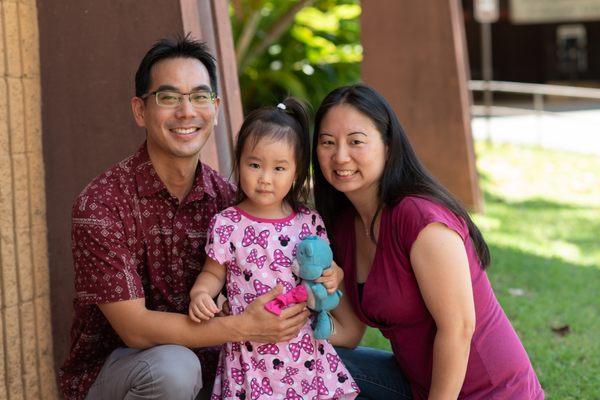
[413, 259]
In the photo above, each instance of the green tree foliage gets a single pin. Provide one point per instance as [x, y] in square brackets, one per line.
[303, 48]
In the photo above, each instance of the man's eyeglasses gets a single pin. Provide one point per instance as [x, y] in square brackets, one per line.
[168, 99]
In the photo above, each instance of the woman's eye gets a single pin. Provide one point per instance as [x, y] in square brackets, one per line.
[357, 142]
[326, 143]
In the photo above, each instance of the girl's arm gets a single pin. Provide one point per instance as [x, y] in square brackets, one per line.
[210, 280]
[348, 329]
[441, 267]
[207, 286]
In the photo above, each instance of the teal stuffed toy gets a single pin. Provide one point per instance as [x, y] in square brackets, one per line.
[314, 255]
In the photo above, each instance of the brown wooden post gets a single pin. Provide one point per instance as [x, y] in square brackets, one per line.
[415, 55]
[90, 51]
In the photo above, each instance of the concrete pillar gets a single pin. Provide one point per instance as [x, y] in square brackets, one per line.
[26, 362]
[415, 55]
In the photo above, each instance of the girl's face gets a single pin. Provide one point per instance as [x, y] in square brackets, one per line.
[351, 152]
[267, 172]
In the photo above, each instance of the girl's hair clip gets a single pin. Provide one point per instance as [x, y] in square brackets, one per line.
[281, 106]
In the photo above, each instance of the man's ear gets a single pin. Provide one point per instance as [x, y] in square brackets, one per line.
[138, 107]
[217, 104]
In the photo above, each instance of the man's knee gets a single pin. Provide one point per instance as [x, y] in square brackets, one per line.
[175, 371]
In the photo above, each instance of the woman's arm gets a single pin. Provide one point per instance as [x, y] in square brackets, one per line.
[348, 329]
[441, 267]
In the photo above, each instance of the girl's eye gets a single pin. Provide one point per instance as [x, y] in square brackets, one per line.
[254, 165]
[279, 169]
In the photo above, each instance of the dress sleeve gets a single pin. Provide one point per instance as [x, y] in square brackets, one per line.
[413, 214]
[219, 233]
[105, 267]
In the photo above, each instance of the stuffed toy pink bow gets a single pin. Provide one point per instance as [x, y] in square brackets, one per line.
[296, 295]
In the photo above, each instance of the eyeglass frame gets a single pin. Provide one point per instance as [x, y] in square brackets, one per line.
[213, 97]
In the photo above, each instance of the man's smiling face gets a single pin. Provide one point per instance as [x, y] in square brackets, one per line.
[178, 132]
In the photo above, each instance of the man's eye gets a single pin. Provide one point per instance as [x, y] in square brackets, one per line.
[200, 97]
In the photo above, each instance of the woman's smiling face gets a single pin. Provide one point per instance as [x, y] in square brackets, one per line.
[351, 152]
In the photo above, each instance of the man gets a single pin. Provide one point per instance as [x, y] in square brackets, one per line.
[138, 233]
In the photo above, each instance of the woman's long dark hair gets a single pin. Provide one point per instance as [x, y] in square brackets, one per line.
[403, 174]
[288, 121]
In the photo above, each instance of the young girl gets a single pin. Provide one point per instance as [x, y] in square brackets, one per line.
[251, 247]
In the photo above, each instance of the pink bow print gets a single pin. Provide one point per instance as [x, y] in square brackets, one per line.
[258, 364]
[287, 285]
[260, 287]
[280, 260]
[268, 348]
[237, 374]
[333, 360]
[279, 225]
[258, 390]
[304, 344]
[317, 384]
[289, 372]
[225, 389]
[224, 232]
[251, 238]
[319, 366]
[296, 295]
[305, 232]
[339, 392]
[304, 210]
[252, 258]
[233, 289]
[234, 268]
[291, 394]
[233, 215]
[235, 348]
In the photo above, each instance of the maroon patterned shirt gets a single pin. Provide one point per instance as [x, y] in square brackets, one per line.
[132, 239]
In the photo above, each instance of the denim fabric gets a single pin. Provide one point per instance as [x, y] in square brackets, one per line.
[376, 373]
[161, 372]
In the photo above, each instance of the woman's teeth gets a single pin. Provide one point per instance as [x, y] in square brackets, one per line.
[345, 172]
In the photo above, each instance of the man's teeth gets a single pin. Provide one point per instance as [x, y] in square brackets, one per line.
[345, 172]
[184, 131]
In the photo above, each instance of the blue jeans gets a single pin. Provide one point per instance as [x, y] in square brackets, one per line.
[376, 372]
[167, 372]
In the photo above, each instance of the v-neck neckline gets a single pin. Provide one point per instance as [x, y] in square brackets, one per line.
[354, 257]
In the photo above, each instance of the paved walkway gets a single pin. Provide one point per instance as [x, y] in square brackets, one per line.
[562, 129]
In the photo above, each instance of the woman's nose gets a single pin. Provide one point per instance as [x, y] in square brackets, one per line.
[341, 154]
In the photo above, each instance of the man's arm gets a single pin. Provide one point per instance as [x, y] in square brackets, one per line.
[141, 328]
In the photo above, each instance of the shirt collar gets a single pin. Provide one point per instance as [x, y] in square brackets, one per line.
[149, 183]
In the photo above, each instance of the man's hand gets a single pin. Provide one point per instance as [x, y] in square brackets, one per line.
[202, 307]
[262, 326]
[331, 278]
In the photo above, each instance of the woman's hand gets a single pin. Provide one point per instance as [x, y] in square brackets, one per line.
[331, 278]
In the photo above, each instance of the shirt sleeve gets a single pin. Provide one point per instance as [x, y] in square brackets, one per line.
[105, 268]
[413, 214]
[219, 233]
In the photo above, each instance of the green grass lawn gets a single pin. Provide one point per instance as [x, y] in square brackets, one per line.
[542, 223]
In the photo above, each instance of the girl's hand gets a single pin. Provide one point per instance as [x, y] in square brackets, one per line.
[202, 307]
[331, 278]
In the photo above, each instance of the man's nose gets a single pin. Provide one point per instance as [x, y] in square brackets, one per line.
[186, 109]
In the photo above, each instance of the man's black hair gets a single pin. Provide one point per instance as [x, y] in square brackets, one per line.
[181, 46]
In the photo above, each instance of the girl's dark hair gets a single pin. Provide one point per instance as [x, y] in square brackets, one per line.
[287, 121]
[403, 174]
